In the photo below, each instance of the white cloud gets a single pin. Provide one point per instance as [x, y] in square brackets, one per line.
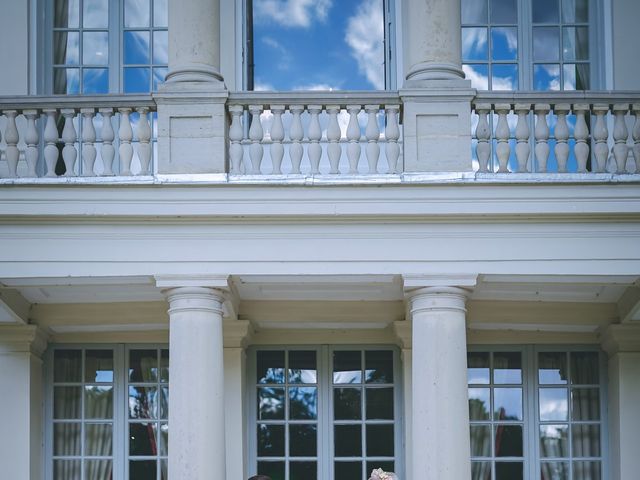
[260, 86]
[316, 87]
[292, 13]
[365, 37]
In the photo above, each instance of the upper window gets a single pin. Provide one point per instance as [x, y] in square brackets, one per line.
[527, 44]
[318, 45]
[103, 46]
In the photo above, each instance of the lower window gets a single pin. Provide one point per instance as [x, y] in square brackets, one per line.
[324, 413]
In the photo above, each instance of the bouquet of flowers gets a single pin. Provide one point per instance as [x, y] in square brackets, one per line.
[379, 474]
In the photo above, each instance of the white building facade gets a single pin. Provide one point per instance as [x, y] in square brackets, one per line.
[440, 279]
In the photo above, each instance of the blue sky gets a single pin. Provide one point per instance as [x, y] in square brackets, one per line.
[318, 44]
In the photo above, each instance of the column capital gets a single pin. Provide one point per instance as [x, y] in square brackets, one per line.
[416, 281]
[433, 299]
[23, 338]
[621, 338]
[236, 333]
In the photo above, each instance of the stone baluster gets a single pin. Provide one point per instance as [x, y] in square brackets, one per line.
[334, 150]
[296, 134]
[353, 136]
[372, 132]
[51, 151]
[277, 137]
[31, 138]
[635, 108]
[542, 135]
[11, 137]
[69, 137]
[107, 135]
[125, 135]
[143, 131]
[88, 138]
[392, 135]
[236, 135]
[522, 136]
[315, 135]
[503, 150]
[620, 136]
[483, 135]
[561, 132]
[601, 135]
[581, 134]
[256, 150]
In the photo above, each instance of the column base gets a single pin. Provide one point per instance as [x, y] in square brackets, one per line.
[195, 73]
[426, 71]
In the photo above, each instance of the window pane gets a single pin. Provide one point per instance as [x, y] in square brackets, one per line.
[159, 74]
[474, 11]
[270, 403]
[347, 470]
[504, 43]
[98, 470]
[270, 440]
[270, 366]
[552, 368]
[66, 469]
[348, 440]
[507, 403]
[478, 74]
[302, 367]
[554, 470]
[504, 77]
[66, 439]
[136, 13]
[507, 367]
[379, 403]
[98, 402]
[66, 48]
[479, 403]
[67, 402]
[378, 366]
[480, 471]
[95, 80]
[164, 402]
[554, 441]
[347, 403]
[385, 466]
[480, 440]
[478, 367]
[576, 77]
[66, 81]
[553, 404]
[160, 48]
[585, 404]
[136, 80]
[137, 49]
[546, 11]
[508, 441]
[160, 13]
[380, 440]
[474, 44]
[143, 402]
[303, 470]
[98, 366]
[95, 48]
[95, 13]
[143, 366]
[575, 43]
[509, 471]
[586, 470]
[585, 440]
[164, 365]
[143, 439]
[66, 14]
[503, 11]
[347, 367]
[98, 439]
[164, 439]
[546, 77]
[585, 368]
[67, 366]
[303, 403]
[303, 441]
[575, 11]
[273, 470]
[142, 470]
[546, 44]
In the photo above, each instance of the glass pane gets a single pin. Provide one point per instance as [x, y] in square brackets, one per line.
[380, 440]
[504, 42]
[66, 469]
[379, 403]
[67, 366]
[546, 11]
[478, 74]
[98, 439]
[270, 367]
[273, 470]
[95, 80]
[142, 470]
[575, 43]
[554, 470]
[509, 471]
[303, 403]
[270, 440]
[554, 441]
[137, 80]
[348, 440]
[67, 402]
[480, 471]
[66, 49]
[347, 470]
[585, 404]
[143, 439]
[66, 14]
[347, 367]
[302, 367]
[503, 11]
[507, 404]
[378, 366]
[480, 440]
[553, 404]
[585, 368]
[270, 403]
[143, 402]
[164, 365]
[303, 441]
[98, 470]
[508, 441]
[164, 402]
[159, 74]
[95, 48]
[587, 471]
[507, 367]
[303, 470]
[164, 469]
[575, 11]
[546, 44]
[479, 403]
[143, 366]
[346, 403]
[576, 77]
[164, 439]
[478, 367]
[585, 440]
[474, 44]
[66, 439]
[546, 77]
[160, 13]
[160, 48]
[98, 366]
[385, 466]
[66, 81]
[137, 49]
[474, 11]
[136, 13]
[95, 13]
[98, 402]
[552, 368]
[504, 77]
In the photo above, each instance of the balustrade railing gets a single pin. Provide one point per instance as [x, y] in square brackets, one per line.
[590, 132]
[77, 136]
[307, 133]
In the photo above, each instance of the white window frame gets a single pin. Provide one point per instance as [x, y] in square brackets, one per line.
[325, 421]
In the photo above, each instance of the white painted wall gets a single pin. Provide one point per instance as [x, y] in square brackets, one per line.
[14, 54]
[626, 58]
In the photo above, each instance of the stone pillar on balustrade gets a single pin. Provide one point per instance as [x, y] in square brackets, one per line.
[436, 97]
[191, 103]
[438, 409]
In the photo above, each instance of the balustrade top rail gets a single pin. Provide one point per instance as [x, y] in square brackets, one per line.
[606, 97]
[57, 102]
[338, 98]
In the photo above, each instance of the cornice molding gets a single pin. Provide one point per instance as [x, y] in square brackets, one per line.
[402, 330]
[23, 338]
[236, 333]
[621, 338]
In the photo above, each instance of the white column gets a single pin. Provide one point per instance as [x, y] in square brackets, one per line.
[622, 343]
[196, 414]
[440, 411]
[194, 41]
[21, 435]
[432, 40]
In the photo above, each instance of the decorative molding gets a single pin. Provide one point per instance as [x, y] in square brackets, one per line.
[23, 338]
[403, 332]
[14, 307]
[429, 280]
[621, 338]
[168, 281]
[629, 305]
[236, 333]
